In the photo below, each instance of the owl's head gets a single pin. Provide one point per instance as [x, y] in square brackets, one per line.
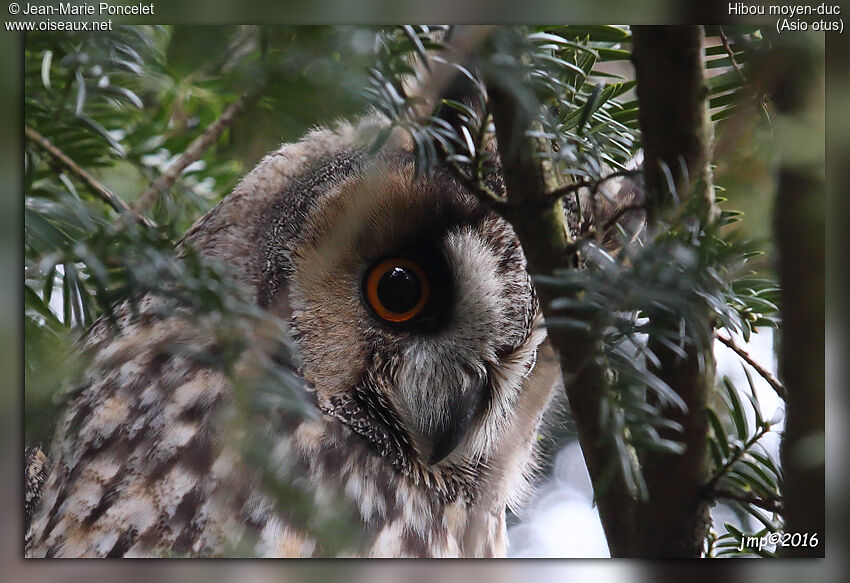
[417, 324]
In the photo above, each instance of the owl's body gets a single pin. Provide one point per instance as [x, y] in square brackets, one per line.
[423, 428]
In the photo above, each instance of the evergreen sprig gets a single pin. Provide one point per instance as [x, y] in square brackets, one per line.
[577, 79]
[123, 106]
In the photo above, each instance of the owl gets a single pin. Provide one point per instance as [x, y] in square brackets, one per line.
[422, 365]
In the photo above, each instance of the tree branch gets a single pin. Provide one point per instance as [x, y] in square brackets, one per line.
[677, 141]
[710, 486]
[539, 221]
[540, 224]
[484, 195]
[534, 209]
[194, 151]
[593, 185]
[728, 48]
[676, 131]
[769, 504]
[590, 233]
[87, 179]
[763, 372]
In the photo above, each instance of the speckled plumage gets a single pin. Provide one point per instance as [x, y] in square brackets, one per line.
[143, 463]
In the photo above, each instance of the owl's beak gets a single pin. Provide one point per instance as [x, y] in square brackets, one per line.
[462, 411]
[448, 439]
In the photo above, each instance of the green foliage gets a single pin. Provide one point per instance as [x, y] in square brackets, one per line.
[679, 274]
[745, 475]
[550, 69]
[111, 112]
[124, 105]
[577, 81]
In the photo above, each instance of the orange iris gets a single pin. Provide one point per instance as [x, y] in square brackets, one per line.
[397, 289]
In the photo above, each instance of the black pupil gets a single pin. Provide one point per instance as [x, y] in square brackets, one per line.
[399, 290]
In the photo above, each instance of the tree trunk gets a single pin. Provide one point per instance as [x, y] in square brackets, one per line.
[677, 140]
[799, 222]
[676, 127]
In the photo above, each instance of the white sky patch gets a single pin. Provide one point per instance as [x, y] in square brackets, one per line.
[561, 521]
[760, 348]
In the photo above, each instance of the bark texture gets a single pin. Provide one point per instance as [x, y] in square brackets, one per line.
[677, 145]
[539, 222]
[677, 138]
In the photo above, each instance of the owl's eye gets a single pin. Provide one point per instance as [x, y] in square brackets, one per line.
[397, 289]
